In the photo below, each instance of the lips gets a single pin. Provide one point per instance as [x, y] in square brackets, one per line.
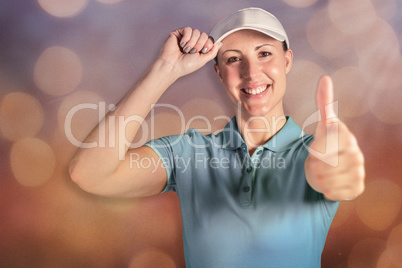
[255, 90]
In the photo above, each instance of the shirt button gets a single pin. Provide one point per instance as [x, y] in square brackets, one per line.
[259, 152]
[244, 148]
[246, 189]
[249, 169]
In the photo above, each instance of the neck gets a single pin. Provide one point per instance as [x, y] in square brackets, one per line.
[257, 130]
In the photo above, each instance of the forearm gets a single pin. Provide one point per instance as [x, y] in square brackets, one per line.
[102, 169]
[122, 125]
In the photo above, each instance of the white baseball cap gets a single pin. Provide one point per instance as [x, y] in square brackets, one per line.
[252, 19]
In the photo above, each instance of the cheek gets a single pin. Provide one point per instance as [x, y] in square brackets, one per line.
[228, 77]
[276, 70]
[230, 83]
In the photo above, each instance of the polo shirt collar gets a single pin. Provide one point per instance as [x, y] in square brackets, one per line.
[231, 136]
[286, 137]
[283, 140]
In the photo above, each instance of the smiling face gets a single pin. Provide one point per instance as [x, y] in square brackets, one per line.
[252, 67]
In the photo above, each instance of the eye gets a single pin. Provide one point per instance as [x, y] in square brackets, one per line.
[265, 54]
[233, 59]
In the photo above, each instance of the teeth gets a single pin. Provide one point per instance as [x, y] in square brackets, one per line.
[255, 91]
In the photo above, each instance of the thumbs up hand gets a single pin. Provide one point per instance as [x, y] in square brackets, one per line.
[335, 164]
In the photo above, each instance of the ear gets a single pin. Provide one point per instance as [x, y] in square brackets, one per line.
[218, 72]
[288, 60]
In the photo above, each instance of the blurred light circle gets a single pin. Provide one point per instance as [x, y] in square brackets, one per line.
[21, 115]
[387, 9]
[352, 17]
[58, 71]
[391, 258]
[379, 56]
[299, 99]
[300, 3]
[366, 252]
[374, 40]
[380, 204]
[63, 8]
[32, 161]
[152, 258]
[352, 92]
[109, 1]
[395, 236]
[386, 105]
[325, 38]
[82, 110]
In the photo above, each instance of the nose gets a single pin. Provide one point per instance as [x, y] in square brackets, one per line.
[250, 69]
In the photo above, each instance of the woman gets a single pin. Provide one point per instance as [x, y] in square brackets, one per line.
[258, 194]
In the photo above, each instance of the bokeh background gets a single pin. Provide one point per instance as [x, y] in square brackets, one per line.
[56, 54]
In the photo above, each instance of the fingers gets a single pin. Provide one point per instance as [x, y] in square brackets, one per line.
[337, 184]
[329, 147]
[188, 50]
[193, 41]
[343, 186]
[186, 36]
[342, 181]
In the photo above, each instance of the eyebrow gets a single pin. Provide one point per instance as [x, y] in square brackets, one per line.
[256, 48]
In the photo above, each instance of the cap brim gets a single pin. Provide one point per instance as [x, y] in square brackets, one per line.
[272, 34]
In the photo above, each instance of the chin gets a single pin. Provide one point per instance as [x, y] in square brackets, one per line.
[262, 111]
[255, 112]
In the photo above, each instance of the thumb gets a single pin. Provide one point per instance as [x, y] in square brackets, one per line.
[326, 135]
[325, 100]
[214, 51]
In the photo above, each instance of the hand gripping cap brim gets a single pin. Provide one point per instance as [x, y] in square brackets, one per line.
[252, 19]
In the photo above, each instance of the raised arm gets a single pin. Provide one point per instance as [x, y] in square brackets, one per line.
[107, 170]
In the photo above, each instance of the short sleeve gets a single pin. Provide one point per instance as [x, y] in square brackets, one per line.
[164, 148]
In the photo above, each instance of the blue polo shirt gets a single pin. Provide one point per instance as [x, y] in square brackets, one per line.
[242, 211]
